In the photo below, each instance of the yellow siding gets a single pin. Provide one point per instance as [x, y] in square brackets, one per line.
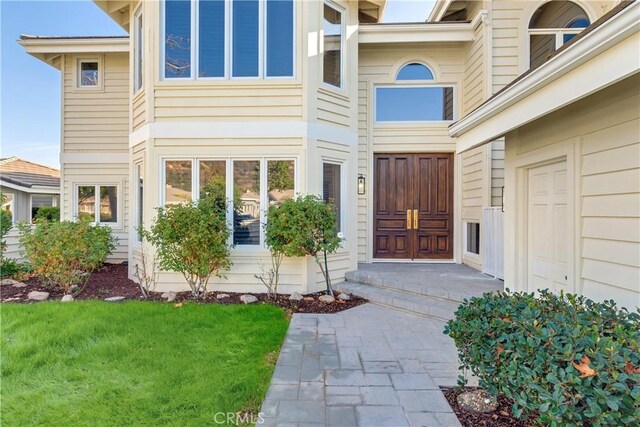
[94, 120]
[139, 111]
[474, 83]
[602, 132]
[497, 171]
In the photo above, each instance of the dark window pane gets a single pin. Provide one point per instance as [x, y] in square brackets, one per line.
[245, 38]
[414, 72]
[213, 182]
[87, 202]
[473, 237]
[211, 53]
[177, 41]
[279, 38]
[541, 48]
[88, 74]
[579, 23]
[177, 181]
[558, 14]
[332, 58]
[246, 194]
[414, 104]
[331, 187]
[567, 37]
[38, 201]
[108, 204]
[280, 180]
[138, 53]
[140, 177]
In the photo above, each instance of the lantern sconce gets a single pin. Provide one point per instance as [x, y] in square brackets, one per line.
[361, 185]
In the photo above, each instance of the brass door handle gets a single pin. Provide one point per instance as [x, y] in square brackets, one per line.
[415, 219]
[408, 219]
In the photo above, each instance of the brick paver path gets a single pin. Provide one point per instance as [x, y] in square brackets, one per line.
[368, 366]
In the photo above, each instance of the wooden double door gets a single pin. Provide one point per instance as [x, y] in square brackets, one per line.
[413, 206]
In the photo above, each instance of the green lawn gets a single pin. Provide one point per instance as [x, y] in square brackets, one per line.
[136, 363]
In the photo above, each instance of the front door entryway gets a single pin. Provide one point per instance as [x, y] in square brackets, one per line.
[413, 206]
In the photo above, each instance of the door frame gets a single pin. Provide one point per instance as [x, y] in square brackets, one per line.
[457, 188]
[516, 215]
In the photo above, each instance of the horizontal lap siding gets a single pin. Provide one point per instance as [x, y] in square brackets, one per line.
[97, 120]
[473, 190]
[226, 103]
[138, 112]
[497, 171]
[333, 109]
[506, 19]
[377, 65]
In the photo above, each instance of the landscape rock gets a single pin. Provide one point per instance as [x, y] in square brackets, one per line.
[344, 297]
[296, 297]
[7, 282]
[169, 296]
[309, 299]
[327, 298]
[20, 285]
[477, 401]
[223, 296]
[114, 299]
[248, 299]
[74, 289]
[38, 296]
[67, 298]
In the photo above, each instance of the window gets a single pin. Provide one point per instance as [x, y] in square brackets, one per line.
[88, 76]
[40, 201]
[7, 206]
[331, 188]
[228, 38]
[333, 35]
[473, 238]
[177, 181]
[98, 203]
[138, 49]
[139, 179]
[414, 103]
[414, 71]
[243, 188]
[551, 26]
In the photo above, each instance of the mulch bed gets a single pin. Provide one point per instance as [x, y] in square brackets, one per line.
[501, 417]
[111, 281]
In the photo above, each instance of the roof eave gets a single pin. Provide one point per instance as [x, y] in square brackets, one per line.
[416, 33]
[47, 49]
[118, 10]
[438, 10]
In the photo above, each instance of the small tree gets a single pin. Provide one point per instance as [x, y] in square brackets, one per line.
[306, 225]
[192, 239]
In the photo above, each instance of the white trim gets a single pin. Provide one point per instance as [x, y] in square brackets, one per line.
[35, 46]
[235, 130]
[99, 61]
[342, 89]
[33, 189]
[608, 44]
[415, 33]
[342, 164]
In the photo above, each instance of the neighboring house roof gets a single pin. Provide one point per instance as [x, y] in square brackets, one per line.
[612, 40]
[28, 175]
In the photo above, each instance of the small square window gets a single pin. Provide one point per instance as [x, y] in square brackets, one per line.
[331, 183]
[89, 76]
[473, 238]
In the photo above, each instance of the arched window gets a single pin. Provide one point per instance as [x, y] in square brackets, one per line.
[414, 71]
[414, 97]
[551, 26]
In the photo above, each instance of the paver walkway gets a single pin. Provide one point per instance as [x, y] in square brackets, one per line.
[368, 366]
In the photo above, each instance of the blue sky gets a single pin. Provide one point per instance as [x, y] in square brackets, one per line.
[30, 100]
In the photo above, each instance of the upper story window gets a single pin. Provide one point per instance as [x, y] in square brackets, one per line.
[551, 26]
[418, 98]
[228, 39]
[138, 47]
[333, 55]
[88, 75]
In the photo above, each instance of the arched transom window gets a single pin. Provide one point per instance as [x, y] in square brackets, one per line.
[414, 97]
[551, 26]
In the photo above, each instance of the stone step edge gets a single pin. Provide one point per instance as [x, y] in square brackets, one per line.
[353, 277]
[344, 287]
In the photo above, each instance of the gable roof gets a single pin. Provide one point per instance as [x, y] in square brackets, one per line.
[26, 174]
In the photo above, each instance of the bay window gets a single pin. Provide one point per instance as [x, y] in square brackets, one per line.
[205, 39]
[242, 188]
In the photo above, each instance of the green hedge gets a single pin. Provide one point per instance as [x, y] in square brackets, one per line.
[563, 359]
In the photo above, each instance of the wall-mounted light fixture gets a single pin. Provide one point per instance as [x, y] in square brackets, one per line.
[361, 184]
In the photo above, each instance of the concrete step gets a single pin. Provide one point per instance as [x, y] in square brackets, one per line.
[454, 293]
[423, 305]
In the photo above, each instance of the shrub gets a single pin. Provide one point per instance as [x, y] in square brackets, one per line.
[65, 253]
[562, 358]
[48, 213]
[12, 269]
[192, 239]
[303, 226]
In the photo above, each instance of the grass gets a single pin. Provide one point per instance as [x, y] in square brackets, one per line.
[136, 363]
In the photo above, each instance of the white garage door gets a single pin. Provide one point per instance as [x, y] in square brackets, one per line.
[547, 231]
